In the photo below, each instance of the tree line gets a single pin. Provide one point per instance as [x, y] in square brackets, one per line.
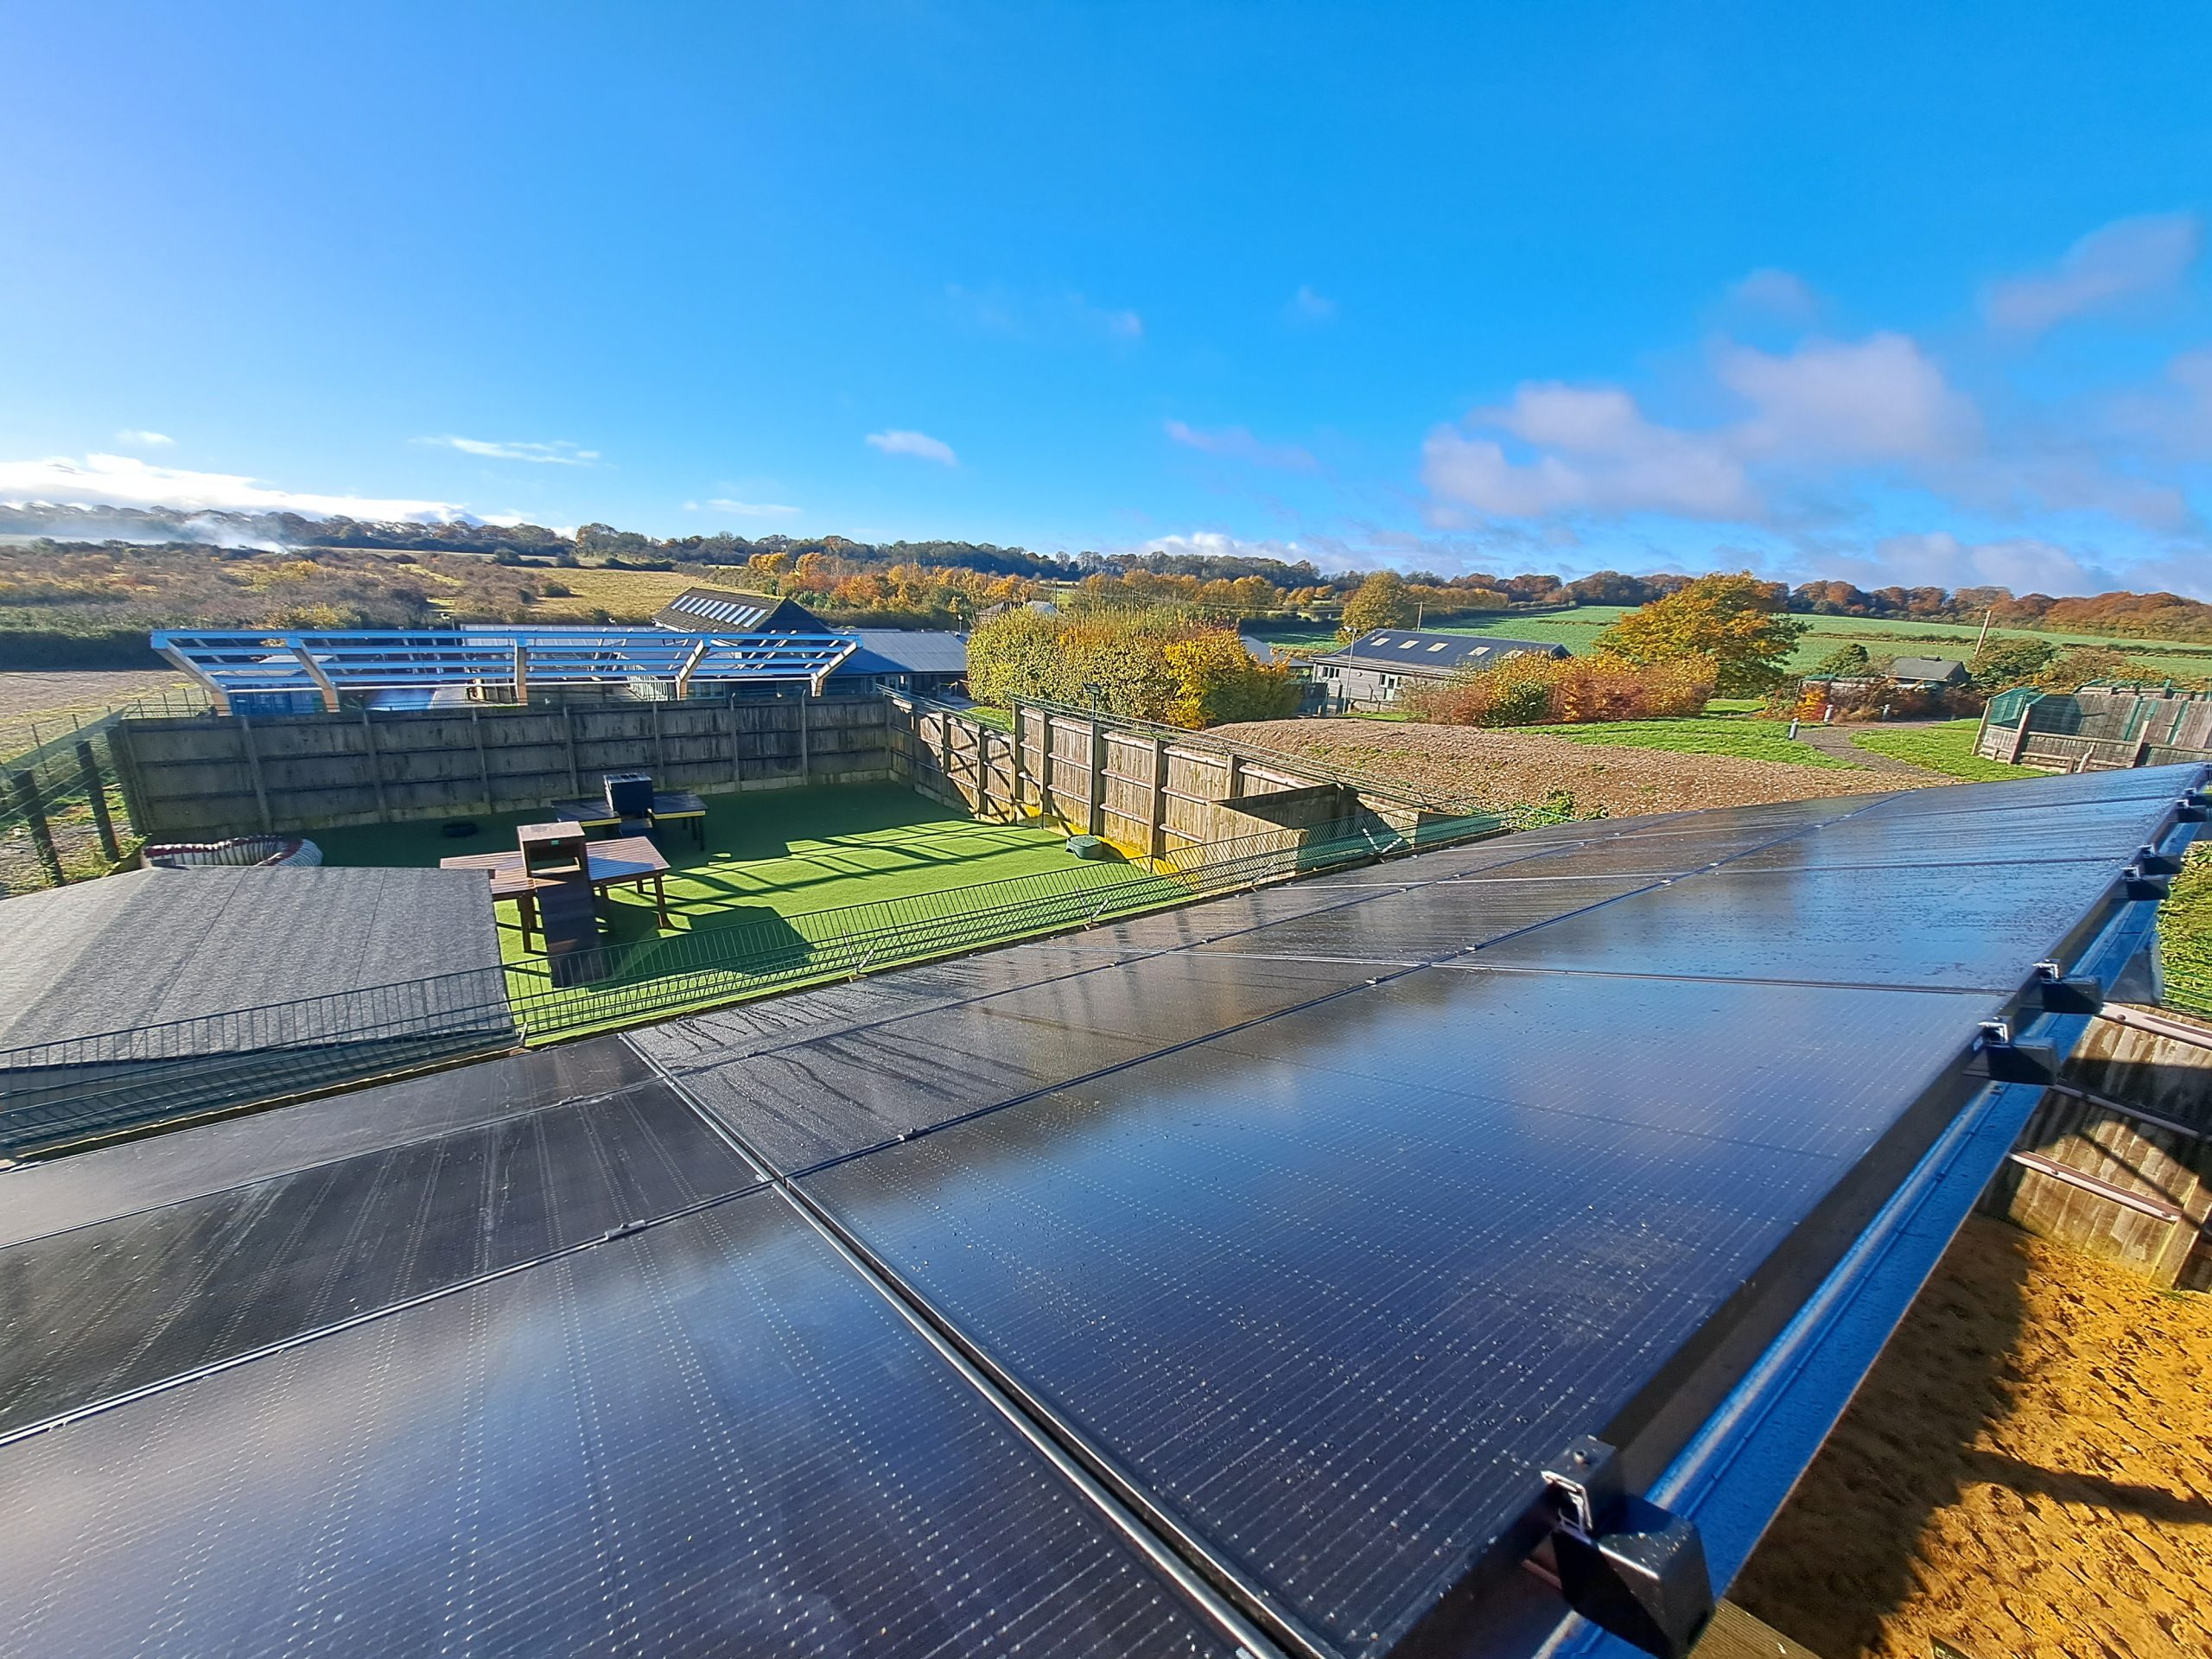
[1225, 584]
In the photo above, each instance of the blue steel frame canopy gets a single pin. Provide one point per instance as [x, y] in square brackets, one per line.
[329, 664]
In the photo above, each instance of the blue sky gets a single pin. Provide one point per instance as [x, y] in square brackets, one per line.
[1887, 292]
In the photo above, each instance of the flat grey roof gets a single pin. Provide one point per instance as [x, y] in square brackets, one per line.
[153, 946]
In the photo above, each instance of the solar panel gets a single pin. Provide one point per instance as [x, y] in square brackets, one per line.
[89, 1186]
[1333, 1289]
[1318, 1220]
[94, 1312]
[834, 1094]
[709, 1437]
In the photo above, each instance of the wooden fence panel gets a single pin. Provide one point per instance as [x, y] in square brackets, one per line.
[215, 776]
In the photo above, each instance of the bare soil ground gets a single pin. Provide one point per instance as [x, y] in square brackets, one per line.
[2027, 1474]
[1520, 768]
[36, 705]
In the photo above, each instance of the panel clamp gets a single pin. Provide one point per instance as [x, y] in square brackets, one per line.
[1625, 1564]
[2057, 991]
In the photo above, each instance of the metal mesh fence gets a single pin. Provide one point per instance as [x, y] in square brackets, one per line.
[64, 814]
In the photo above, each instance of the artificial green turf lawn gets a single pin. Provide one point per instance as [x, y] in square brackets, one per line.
[1749, 739]
[1947, 748]
[790, 852]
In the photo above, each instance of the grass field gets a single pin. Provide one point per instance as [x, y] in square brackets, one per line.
[1946, 747]
[1577, 630]
[1746, 739]
[37, 706]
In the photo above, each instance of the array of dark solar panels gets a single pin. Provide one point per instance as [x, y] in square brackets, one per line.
[1316, 1219]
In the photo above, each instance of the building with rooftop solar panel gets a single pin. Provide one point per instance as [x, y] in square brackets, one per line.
[1375, 669]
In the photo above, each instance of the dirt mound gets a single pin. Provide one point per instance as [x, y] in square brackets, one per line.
[1517, 768]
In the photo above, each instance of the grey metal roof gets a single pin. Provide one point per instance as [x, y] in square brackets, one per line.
[158, 945]
[1926, 668]
[905, 651]
[1408, 651]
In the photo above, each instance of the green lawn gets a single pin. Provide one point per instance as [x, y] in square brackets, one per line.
[1751, 739]
[1947, 748]
[769, 854]
[1577, 630]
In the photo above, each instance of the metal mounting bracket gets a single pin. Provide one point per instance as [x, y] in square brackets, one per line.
[2060, 992]
[2140, 883]
[1625, 1564]
[2002, 1060]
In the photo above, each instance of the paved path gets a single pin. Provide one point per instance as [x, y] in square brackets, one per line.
[1836, 740]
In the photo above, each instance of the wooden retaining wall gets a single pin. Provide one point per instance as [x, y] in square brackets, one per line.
[1146, 793]
[202, 778]
[2117, 1160]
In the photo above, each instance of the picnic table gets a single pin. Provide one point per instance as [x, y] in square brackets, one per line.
[632, 858]
[671, 805]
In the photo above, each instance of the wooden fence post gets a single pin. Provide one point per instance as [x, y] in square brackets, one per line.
[483, 766]
[1097, 820]
[27, 803]
[95, 796]
[376, 765]
[253, 772]
[569, 725]
[1156, 828]
[806, 747]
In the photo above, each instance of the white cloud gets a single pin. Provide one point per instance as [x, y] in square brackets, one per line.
[747, 509]
[2127, 258]
[126, 481]
[1116, 322]
[1307, 306]
[140, 439]
[1237, 443]
[2024, 564]
[1877, 399]
[2177, 416]
[1824, 403]
[558, 454]
[1606, 458]
[1784, 294]
[919, 445]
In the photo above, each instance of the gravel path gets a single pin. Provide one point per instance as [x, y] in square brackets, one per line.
[1518, 768]
[1836, 740]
